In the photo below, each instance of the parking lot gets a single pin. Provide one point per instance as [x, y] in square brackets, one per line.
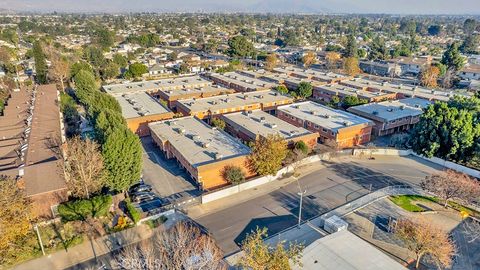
[333, 184]
[167, 179]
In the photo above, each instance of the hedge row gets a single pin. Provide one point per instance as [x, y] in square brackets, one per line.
[81, 209]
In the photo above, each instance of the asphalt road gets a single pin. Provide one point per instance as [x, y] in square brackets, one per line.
[327, 188]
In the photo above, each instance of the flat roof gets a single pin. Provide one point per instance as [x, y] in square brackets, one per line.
[323, 116]
[391, 110]
[311, 73]
[409, 90]
[234, 100]
[156, 85]
[261, 123]
[197, 90]
[346, 251]
[198, 142]
[242, 80]
[139, 104]
[338, 89]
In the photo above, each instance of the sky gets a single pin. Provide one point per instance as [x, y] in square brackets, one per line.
[275, 6]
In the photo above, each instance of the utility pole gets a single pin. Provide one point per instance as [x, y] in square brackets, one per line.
[300, 208]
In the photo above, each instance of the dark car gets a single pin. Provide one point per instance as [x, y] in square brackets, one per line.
[140, 187]
[143, 196]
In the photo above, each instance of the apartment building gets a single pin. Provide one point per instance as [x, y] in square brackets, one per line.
[172, 95]
[240, 82]
[203, 108]
[311, 74]
[203, 151]
[153, 87]
[392, 116]
[139, 109]
[326, 92]
[251, 125]
[344, 128]
[402, 91]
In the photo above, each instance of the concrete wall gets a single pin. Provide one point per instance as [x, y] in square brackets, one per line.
[215, 195]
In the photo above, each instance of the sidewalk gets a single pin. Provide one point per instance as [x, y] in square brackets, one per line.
[223, 203]
[102, 245]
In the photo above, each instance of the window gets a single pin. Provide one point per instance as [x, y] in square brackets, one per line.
[324, 130]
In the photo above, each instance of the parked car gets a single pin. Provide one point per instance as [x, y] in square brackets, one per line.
[140, 187]
[143, 196]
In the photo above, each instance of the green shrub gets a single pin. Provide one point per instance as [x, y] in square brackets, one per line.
[153, 223]
[302, 146]
[133, 212]
[234, 174]
[81, 209]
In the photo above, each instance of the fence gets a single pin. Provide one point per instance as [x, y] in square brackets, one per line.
[364, 201]
[228, 191]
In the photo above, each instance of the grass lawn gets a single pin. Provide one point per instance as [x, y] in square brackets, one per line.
[406, 202]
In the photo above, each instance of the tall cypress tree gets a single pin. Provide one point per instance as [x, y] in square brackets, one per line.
[40, 63]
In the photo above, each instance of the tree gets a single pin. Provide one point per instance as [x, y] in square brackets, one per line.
[350, 101]
[423, 238]
[282, 89]
[104, 38]
[240, 47]
[122, 156]
[378, 49]
[59, 68]
[120, 60]
[183, 246]
[233, 174]
[83, 167]
[452, 57]
[472, 230]
[304, 90]
[470, 44]
[15, 210]
[434, 30]
[80, 65]
[260, 256]
[106, 122]
[351, 66]
[449, 185]
[469, 26]
[41, 67]
[137, 70]
[351, 49]
[218, 123]
[332, 59]
[429, 76]
[267, 154]
[271, 61]
[109, 70]
[334, 101]
[447, 130]
[309, 58]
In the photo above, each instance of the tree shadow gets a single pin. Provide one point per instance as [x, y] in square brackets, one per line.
[363, 176]
[274, 225]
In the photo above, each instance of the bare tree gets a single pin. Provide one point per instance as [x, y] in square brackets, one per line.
[423, 238]
[183, 246]
[450, 184]
[472, 229]
[83, 167]
[59, 68]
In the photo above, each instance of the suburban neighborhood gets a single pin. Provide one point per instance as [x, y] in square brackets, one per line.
[239, 137]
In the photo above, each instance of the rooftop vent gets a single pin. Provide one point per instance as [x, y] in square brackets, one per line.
[271, 125]
[389, 110]
[345, 123]
[205, 144]
[262, 119]
[313, 112]
[218, 156]
[402, 107]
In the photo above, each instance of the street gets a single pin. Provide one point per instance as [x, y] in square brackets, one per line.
[338, 182]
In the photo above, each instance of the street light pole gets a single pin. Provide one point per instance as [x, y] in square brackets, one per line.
[35, 227]
[300, 208]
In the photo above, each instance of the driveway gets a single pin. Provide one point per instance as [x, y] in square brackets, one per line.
[166, 178]
[340, 181]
